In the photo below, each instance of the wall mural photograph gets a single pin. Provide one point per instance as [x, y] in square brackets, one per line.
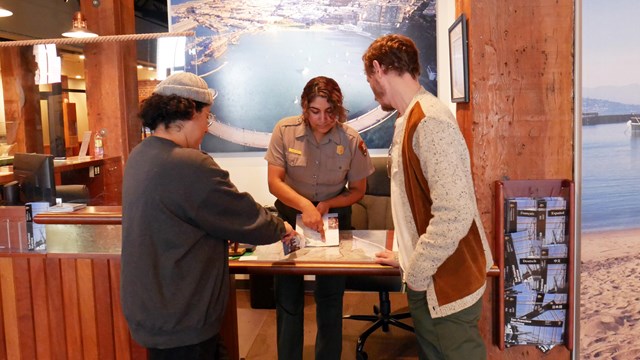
[259, 54]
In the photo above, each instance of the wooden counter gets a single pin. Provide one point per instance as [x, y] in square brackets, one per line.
[112, 215]
[65, 303]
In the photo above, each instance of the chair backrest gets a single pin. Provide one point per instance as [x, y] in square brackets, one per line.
[73, 193]
[373, 211]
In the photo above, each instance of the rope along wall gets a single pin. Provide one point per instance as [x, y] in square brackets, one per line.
[71, 41]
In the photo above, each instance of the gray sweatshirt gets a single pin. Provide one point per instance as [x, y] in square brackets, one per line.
[179, 208]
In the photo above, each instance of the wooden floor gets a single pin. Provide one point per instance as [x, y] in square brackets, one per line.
[257, 329]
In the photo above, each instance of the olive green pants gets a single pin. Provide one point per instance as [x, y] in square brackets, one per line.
[451, 337]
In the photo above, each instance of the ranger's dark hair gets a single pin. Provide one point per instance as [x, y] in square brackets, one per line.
[327, 88]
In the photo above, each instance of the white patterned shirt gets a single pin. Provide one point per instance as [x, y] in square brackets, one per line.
[444, 159]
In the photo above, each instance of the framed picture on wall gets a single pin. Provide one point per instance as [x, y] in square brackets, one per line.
[459, 60]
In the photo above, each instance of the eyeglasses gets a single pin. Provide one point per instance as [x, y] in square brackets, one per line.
[210, 119]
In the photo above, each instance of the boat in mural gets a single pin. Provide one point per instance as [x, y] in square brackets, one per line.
[634, 125]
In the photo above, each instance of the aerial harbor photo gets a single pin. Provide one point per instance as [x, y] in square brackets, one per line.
[259, 54]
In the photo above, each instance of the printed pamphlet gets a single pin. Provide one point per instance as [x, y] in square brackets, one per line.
[313, 238]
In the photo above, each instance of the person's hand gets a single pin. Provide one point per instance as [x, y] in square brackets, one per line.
[290, 233]
[312, 219]
[387, 257]
[322, 207]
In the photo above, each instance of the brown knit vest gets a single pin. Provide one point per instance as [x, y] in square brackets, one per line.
[464, 272]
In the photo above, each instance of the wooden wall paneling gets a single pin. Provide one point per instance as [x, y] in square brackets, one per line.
[122, 338]
[104, 308]
[38, 281]
[486, 325]
[24, 305]
[137, 351]
[229, 325]
[71, 306]
[57, 321]
[62, 308]
[519, 121]
[87, 308]
[3, 346]
[9, 310]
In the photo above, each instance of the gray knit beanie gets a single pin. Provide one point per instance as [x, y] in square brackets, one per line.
[186, 85]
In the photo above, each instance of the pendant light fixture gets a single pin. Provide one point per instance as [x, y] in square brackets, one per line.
[79, 29]
[4, 12]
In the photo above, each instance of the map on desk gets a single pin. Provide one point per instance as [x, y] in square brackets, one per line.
[357, 246]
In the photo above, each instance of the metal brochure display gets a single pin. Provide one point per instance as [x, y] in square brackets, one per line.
[535, 235]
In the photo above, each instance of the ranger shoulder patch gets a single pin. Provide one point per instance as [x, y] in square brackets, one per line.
[362, 147]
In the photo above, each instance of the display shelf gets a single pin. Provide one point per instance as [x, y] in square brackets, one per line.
[535, 189]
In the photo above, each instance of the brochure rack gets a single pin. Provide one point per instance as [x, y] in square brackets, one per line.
[536, 292]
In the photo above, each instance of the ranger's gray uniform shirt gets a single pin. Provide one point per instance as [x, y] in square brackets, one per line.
[318, 171]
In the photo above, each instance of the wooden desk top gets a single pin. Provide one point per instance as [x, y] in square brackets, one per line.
[68, 164]
[91, 215]
[76, 162]
[354, 256]
[78, 232]
[98, 241]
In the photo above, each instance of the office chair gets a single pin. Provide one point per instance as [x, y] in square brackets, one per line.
[373, 212]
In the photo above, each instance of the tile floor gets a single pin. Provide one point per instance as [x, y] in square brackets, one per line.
[257, 329]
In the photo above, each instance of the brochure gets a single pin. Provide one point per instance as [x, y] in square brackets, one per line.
[313, 238]
[296, 244]
[66, 207]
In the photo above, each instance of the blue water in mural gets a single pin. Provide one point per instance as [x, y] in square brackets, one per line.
[610, 178]
[261, 78]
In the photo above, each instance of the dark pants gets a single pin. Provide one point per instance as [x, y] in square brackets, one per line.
[290, 316]
[454, 336]
[328, 294]
[212, 349]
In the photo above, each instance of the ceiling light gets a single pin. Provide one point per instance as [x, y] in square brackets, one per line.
[79, 29]
[4, 12]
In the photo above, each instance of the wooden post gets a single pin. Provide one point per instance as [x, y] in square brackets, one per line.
[21, 99]
[111, 81]
[519, 120]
